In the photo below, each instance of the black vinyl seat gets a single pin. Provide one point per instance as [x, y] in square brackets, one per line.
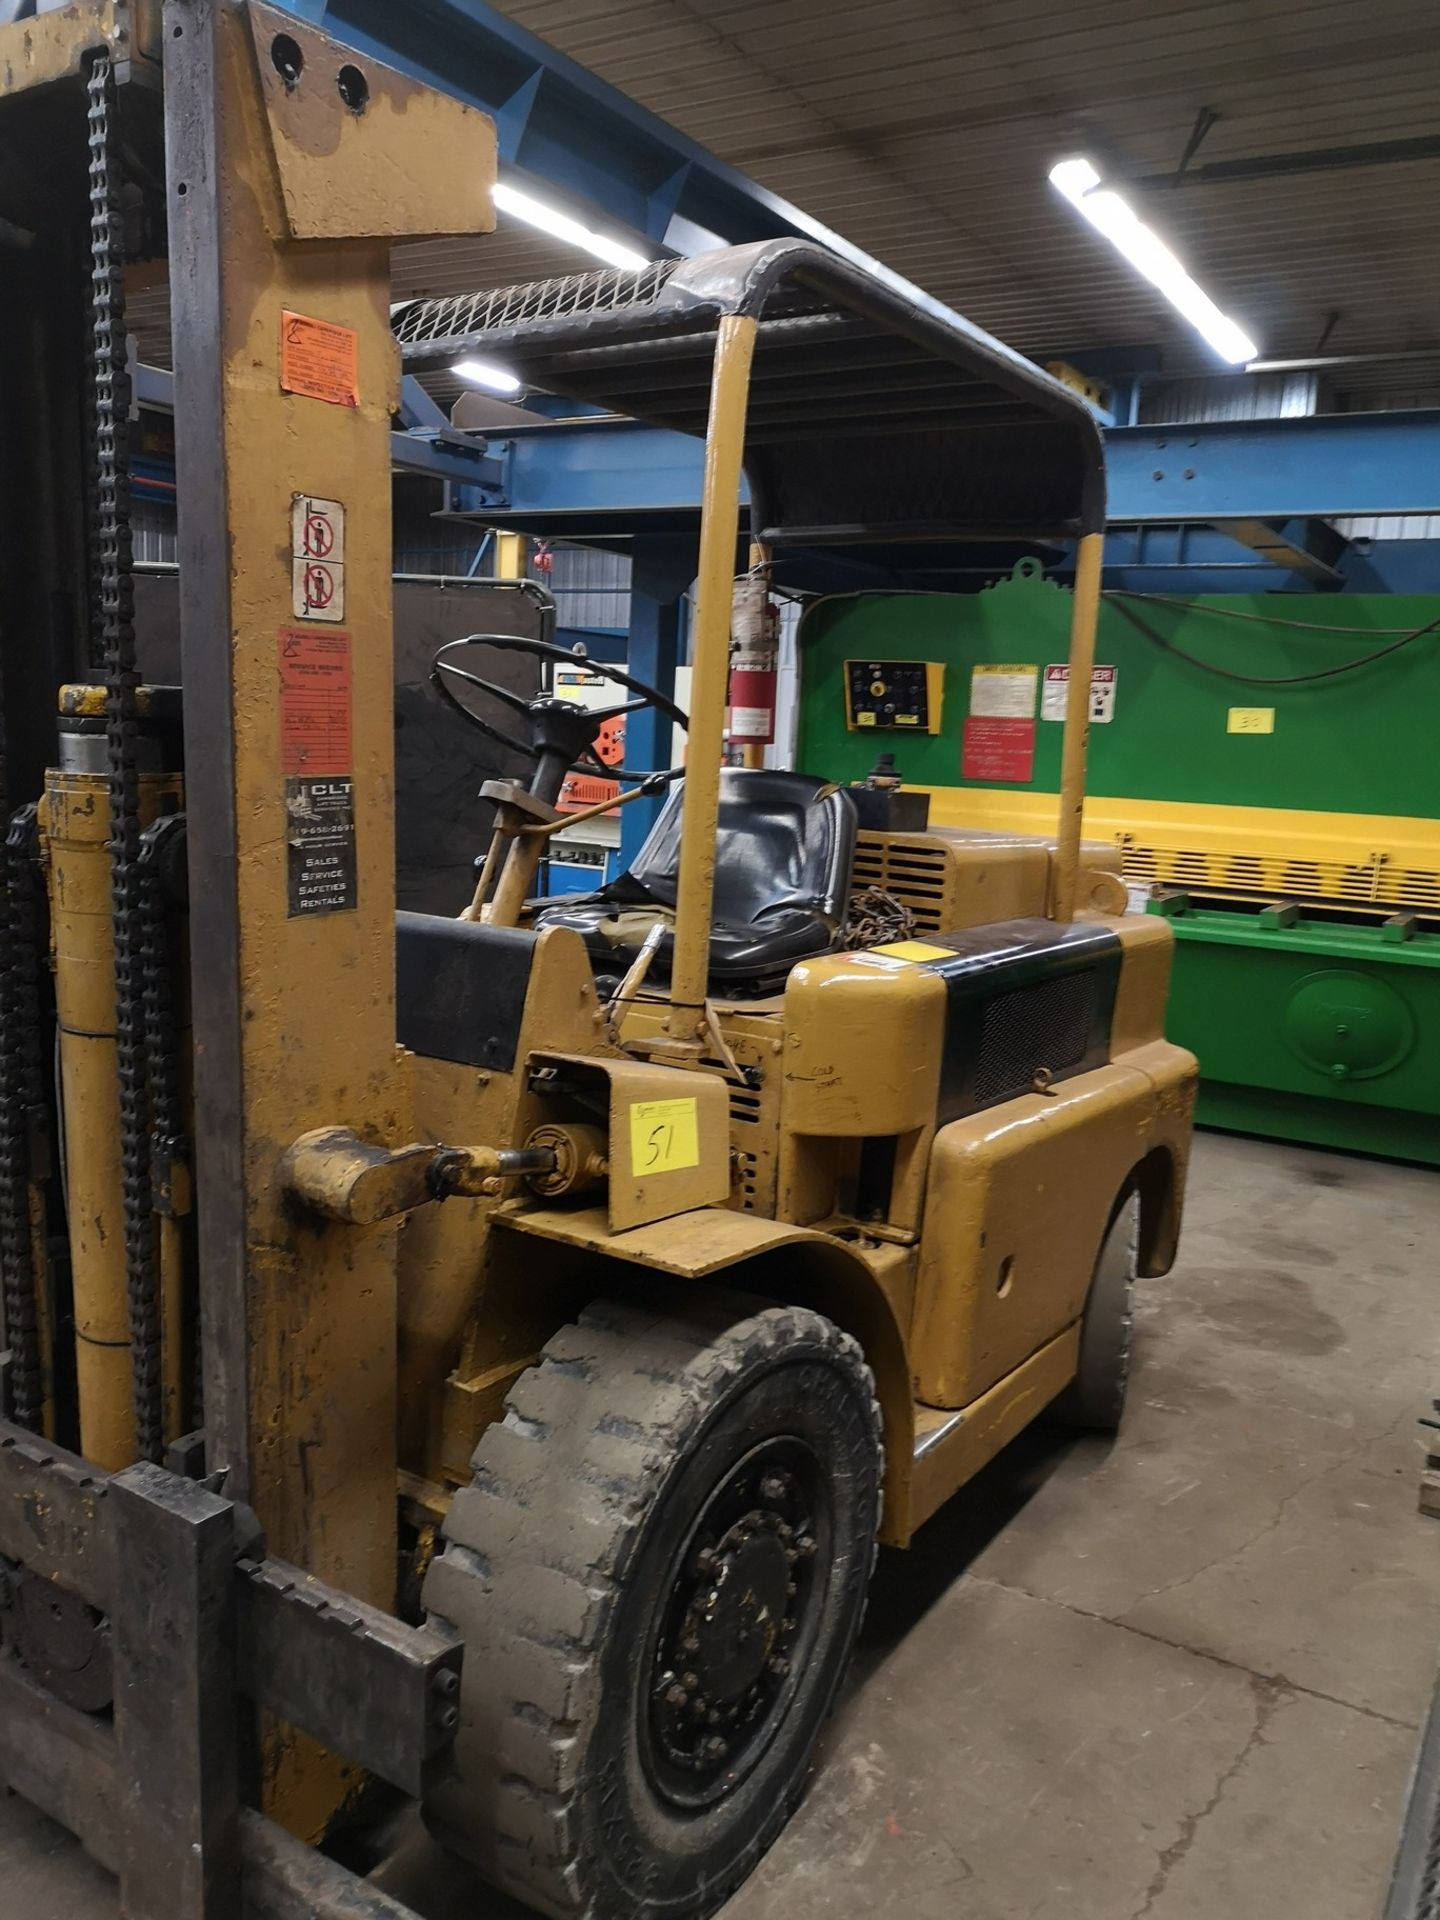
[784, 847]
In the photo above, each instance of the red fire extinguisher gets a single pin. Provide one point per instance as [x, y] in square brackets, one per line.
[755, 645]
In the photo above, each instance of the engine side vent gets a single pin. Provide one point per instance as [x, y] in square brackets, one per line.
[747, 1180]
[915, 874]
[1042, 1028]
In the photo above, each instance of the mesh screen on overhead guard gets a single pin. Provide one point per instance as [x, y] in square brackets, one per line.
[1046, 1026]
[464, 316]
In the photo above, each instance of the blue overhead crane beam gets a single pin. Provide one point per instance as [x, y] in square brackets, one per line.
[1315, 468]
[609, 476]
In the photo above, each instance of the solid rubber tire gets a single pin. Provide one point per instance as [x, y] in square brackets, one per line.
[544, 1574]
[1094, 1402]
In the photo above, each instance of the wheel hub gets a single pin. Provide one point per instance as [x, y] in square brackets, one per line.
[737, 1604]
[740, 1621]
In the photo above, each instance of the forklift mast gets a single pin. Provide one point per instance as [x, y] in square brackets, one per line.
[271, 169]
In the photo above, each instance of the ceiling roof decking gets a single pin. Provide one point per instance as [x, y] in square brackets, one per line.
[923, 131]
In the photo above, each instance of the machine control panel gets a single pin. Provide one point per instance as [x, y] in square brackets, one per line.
[894, 693]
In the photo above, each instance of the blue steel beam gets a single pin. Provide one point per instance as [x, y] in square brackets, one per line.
[426, 444]
[1320, 468]
[581, 479]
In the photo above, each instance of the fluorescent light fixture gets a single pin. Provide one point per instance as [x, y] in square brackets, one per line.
[485, 373]
[1113, 216]
[535, 213]
[1308, 361]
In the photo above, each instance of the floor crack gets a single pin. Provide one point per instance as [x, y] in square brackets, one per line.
[1268, 1695]
[1123, 1625]
[1235, 1553]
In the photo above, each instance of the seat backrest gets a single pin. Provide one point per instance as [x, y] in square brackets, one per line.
[782, 840]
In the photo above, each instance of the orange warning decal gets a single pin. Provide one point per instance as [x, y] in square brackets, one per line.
[320, 359]
[314, 702]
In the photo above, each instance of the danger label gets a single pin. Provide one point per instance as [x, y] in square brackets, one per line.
[315, 702]
[1057, 692]
[317, 558]
[319, 359]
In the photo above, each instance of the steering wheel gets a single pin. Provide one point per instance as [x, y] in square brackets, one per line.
[546, 708]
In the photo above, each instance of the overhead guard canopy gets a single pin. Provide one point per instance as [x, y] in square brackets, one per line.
[872, 417]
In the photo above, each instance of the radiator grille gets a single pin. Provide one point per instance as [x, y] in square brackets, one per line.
[916, 875]
[1376, 882]
[1045, 1026]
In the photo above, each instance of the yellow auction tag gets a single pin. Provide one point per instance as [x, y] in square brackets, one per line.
[915, 950]
[1250, 720]
[664, 1135]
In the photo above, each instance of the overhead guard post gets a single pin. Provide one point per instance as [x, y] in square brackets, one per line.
[1084, 614]
[710, 670]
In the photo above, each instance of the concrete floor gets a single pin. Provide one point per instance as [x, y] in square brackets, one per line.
[1177, 1678]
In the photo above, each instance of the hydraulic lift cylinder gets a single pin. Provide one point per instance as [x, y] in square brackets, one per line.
[77, 826]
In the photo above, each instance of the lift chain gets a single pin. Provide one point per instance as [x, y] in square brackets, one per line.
[113, 614]
[162, 855]
[23, 1113]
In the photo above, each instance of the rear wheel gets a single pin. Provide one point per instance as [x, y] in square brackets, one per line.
[658, 1571]
[1094, 1402]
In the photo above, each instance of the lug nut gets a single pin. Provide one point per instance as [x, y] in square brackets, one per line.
[772, 1487]
[805, 1545]
[675, 1696]
[714, 1748]
[690, 1681]
[707, 1560]
[779, 1666]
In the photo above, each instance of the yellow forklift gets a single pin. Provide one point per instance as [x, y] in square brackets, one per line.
[482, 1354]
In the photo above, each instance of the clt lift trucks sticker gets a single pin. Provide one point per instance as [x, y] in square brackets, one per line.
[664, 1136]
[317, 759]
[1057, 690]
[320, 845]
[319, 359]
[317, 558]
